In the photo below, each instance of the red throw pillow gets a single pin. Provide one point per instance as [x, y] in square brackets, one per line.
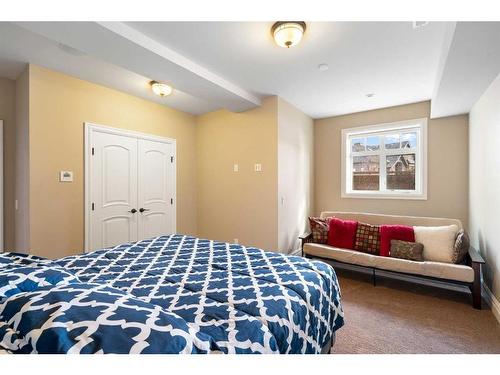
[342, 233]
[394, 232]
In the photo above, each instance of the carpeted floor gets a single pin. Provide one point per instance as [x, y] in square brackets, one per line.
[402, 317]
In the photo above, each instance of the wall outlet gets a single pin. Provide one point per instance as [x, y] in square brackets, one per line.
[235, 240]
[236, 168]
[257, 167]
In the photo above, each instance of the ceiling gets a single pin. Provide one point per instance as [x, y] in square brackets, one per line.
[234, 65]
[390, 59]
[19, 46]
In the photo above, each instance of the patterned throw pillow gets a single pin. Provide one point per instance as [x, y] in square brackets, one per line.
[368, 238]
[407, 250]
[461, 247]
[14, 280]
[319, 229]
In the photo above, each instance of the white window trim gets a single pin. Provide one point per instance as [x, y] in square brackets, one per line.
[421, 155]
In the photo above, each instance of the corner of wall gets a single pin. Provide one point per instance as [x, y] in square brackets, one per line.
[295, 174]
[22, 114]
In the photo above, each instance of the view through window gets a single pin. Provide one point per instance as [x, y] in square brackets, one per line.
[385, 160]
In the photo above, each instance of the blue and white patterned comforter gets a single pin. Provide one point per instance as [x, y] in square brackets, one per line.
[176, 294]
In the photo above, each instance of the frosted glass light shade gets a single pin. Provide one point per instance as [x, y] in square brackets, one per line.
[288, 34]
[161, 89]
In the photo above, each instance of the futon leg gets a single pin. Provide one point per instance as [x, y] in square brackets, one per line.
[475, 288]
[374, 277]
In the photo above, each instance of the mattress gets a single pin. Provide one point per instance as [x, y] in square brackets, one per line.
[172, 294]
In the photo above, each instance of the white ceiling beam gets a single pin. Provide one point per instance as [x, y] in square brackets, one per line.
[470, 62]
[122, 45]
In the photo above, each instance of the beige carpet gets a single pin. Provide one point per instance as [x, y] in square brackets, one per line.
[402, 317]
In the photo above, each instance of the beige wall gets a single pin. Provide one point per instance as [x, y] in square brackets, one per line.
[242, 204]
[213, 201]
[8, 115]
[447, 164]
[22, 177]
[484, 198]
[60, 104]
[295, 175]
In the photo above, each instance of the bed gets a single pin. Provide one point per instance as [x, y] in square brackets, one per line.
[169, 294]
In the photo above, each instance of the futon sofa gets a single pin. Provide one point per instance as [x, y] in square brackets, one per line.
[467, 273]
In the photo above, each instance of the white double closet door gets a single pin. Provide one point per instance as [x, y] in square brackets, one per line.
[132, 188]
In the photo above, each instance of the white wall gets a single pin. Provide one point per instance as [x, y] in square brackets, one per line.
[484, 182]
[295, 175]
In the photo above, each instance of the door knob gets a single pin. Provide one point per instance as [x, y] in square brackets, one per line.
[133, 211]
[143, 209]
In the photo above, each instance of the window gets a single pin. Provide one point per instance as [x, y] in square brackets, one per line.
[385, 161]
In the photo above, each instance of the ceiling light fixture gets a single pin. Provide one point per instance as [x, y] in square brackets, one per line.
[323, 67]
[370, 95]
[161, 89]
[288, 33]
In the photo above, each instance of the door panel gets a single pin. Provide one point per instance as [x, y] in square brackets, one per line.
[155, 180]
[113, 190]
[154, 224]
[156, 189]
[116, 175]
[116, 230]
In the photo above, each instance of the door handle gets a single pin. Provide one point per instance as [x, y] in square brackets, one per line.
[133, 211]
[141, 210]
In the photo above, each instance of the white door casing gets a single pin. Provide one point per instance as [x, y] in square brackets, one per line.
[125, 172]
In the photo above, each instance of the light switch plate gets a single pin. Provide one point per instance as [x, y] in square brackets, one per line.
[258, 167]
[236, 168]
[66, 176]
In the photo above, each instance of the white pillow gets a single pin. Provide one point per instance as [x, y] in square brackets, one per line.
[438, 242]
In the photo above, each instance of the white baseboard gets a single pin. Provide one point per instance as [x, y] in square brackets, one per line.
[491, 301]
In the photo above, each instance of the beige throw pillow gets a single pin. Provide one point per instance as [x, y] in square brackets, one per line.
[439, 242]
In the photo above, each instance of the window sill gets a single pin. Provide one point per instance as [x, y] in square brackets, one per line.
[400, 196]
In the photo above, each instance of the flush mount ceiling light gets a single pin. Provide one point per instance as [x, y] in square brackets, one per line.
[323, 67]
[288, 33]
[161, 89]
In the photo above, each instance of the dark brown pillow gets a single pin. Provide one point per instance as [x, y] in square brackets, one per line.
[367, 239]
[407, 250]
[461, 247]
[319, 229]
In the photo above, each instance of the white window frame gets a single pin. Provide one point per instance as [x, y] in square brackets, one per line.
[417, 125]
